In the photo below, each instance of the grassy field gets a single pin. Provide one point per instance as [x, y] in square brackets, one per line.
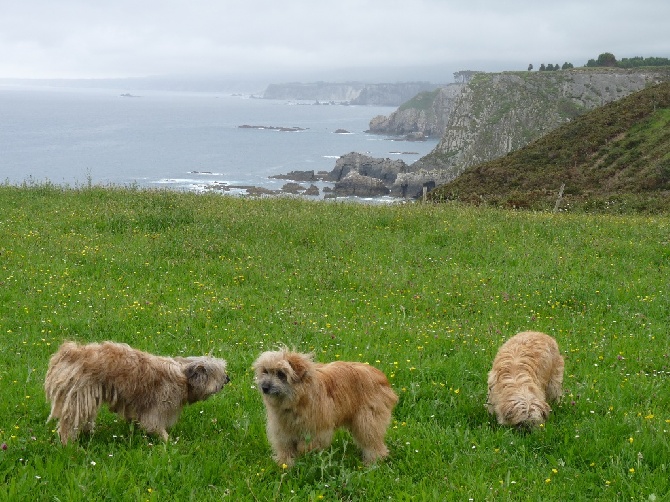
[427, 293]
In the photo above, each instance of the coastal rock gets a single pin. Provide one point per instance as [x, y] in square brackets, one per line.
[354, 184]
[296, 176]
[294, 188]
[386, 170]
[410, 185]
[313, 191]
[416, 136]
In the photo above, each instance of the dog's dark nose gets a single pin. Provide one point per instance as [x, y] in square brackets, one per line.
[226, 380]
[266, 388]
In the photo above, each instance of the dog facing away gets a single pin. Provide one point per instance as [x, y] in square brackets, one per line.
[527, 372]
[307, 401]
[136, 385]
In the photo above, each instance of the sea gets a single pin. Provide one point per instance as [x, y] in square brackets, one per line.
[179, 140]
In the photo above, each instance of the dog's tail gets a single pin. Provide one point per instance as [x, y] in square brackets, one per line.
[61, 375]
[77, 410]
[75, 399]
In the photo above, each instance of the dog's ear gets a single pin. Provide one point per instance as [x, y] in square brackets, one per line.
[510, 413]
[299, 364]
[545, 409]
[196, 372]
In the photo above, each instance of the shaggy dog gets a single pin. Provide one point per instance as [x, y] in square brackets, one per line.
[136, 385]
[306, 401]
[527, 372]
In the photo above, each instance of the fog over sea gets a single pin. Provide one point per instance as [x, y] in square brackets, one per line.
[177, 140]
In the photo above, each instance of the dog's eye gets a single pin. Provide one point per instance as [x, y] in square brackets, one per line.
[265, 372]
[281, 375]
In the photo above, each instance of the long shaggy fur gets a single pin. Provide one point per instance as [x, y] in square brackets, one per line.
[527, 372]
[136, 385]
[307, 401]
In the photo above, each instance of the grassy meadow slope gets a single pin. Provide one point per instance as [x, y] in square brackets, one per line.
[615, 158]
[427, 293]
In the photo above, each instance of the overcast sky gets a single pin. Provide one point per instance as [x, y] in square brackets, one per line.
[319, 39]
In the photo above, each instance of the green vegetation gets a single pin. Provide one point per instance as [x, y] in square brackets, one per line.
[608, 59]
[612, 159]
[423, 101]
[427, 293]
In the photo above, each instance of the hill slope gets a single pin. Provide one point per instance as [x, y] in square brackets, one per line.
[498, 113]
[617, 154]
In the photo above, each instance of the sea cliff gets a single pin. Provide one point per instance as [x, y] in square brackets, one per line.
[497, 113]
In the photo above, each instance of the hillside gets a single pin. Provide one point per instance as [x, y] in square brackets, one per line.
[495, 113]
[498, 113]
[616, 157]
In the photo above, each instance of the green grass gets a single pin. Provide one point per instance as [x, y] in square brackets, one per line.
[427, 293]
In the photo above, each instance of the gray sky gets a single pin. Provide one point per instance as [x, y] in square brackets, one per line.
[319, 39]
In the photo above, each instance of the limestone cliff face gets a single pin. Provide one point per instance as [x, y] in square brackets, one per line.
[426, 113]
[497, 113]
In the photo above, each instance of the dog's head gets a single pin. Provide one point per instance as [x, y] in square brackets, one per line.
[525, 411]
[278, 373]
[205, 376]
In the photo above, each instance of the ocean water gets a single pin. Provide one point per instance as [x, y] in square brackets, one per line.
[177, 140]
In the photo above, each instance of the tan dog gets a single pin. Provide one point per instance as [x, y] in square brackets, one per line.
[136, 385]
[306, 401]
[527, 372]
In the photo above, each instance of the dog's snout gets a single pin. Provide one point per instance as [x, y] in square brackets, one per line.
[266, 388]
[226, 380]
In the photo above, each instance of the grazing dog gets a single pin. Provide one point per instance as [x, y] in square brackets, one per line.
[527, 372]
[306, 401]
[136, 385]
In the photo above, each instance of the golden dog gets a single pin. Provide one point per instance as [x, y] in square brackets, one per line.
[527, 372]
[306, 401]
[136, 385]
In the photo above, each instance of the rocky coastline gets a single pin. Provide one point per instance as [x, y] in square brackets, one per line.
[354, 175]
[359, 175]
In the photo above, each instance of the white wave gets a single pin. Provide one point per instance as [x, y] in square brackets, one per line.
[205, 173]
[176, 181]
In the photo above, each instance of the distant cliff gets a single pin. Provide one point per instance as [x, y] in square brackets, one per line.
[355, 93]
[426, 113]
[497, 113]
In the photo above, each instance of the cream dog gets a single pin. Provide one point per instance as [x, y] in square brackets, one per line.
[527, 372]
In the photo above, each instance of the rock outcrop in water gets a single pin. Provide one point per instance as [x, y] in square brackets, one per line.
[360, 175]
[385, 170]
